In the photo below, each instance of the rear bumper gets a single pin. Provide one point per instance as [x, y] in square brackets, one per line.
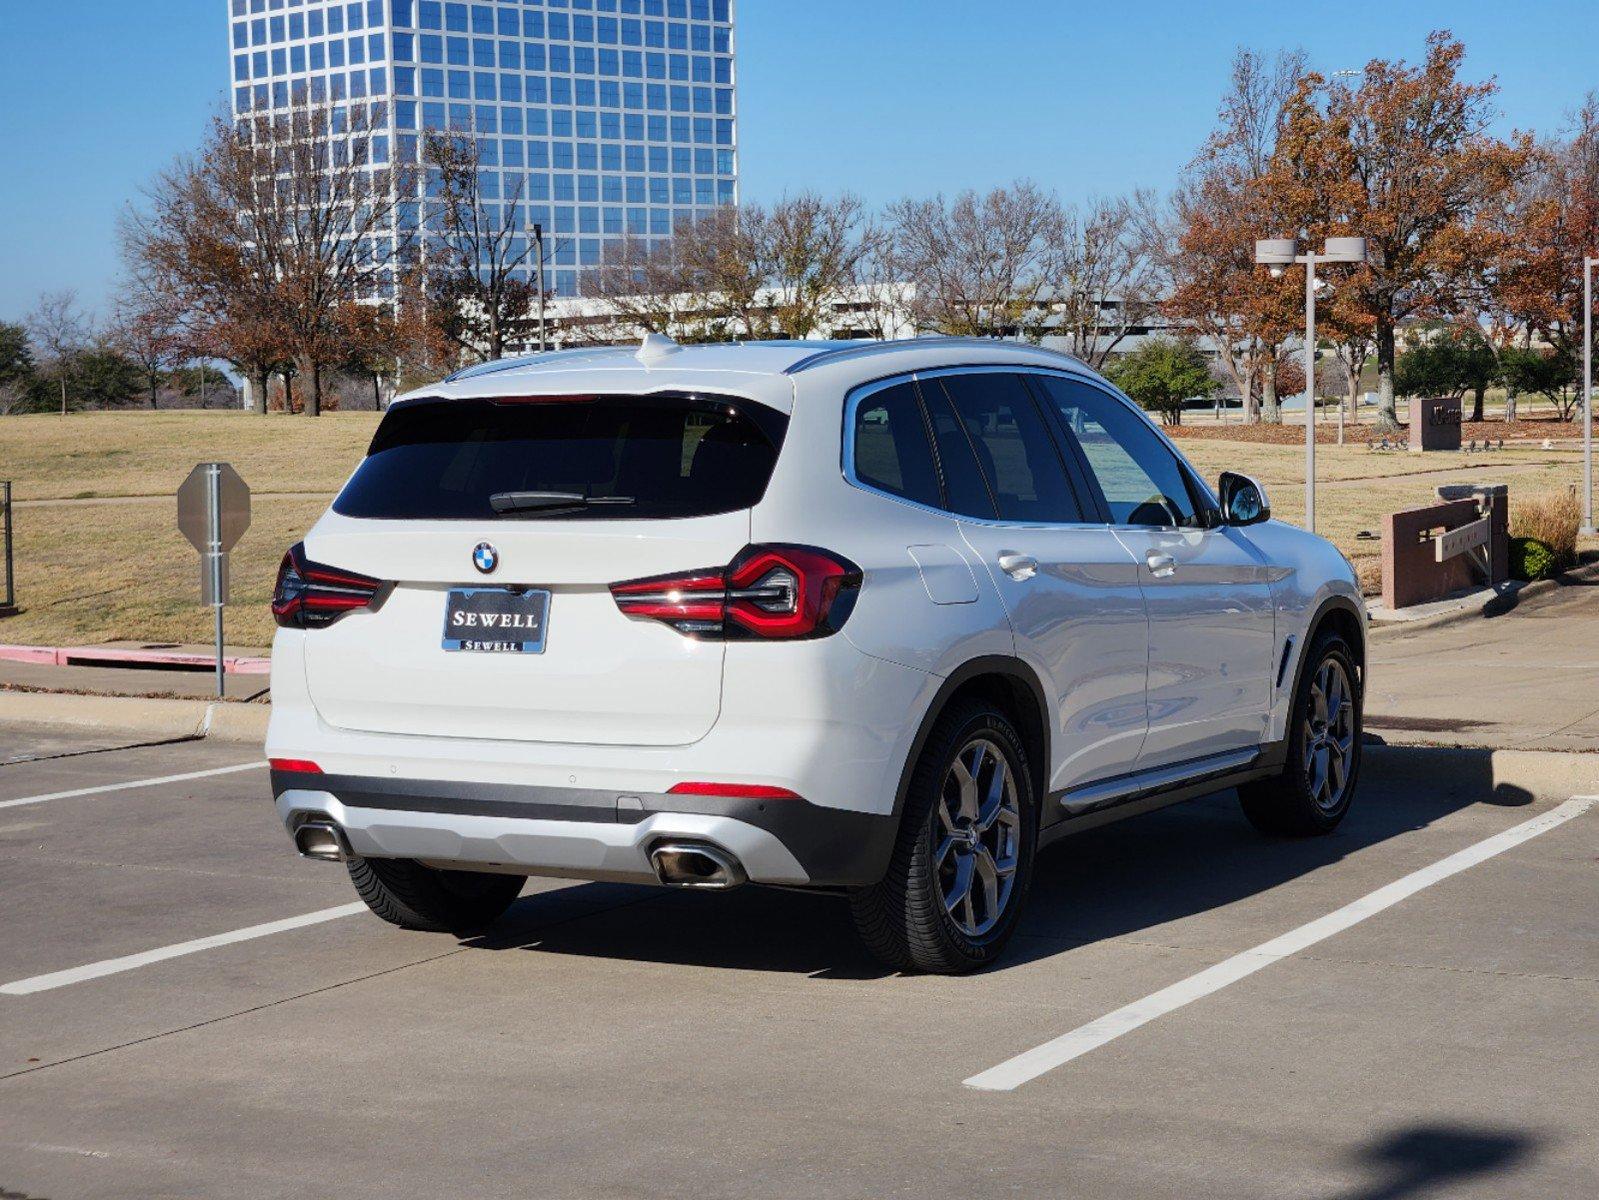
[586, 833]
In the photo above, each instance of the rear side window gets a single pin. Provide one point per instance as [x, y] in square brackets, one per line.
[1013, 446]
[891, 449]
[567, 458]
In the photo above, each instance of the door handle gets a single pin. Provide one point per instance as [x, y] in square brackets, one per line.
[1161, 566]
[1018, 566]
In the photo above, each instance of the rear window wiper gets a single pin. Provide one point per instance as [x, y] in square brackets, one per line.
[549, 502]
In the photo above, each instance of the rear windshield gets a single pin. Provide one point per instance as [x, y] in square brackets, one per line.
[566, 458]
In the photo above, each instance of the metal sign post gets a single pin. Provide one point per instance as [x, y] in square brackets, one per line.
[10, 601]
[213, 513]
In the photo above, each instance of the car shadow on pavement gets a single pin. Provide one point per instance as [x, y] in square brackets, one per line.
[1433, 1160]
[1108, 882]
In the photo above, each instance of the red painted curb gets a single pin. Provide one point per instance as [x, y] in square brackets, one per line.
[117, 656]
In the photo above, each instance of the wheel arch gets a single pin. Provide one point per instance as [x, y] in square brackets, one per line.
[1008, 683]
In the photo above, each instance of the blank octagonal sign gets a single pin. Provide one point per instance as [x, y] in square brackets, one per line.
[194, 506]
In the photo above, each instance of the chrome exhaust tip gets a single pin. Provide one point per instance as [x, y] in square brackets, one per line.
[696, 865]
[321, 840]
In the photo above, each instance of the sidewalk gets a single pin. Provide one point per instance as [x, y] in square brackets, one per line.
[1527, 679]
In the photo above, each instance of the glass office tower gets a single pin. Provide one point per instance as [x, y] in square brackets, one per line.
[613, 117]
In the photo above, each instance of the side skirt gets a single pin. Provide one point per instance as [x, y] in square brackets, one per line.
[1129, 795]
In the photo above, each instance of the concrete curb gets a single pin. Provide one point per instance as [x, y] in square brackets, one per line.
[1473, 607]
[1501, 776]
[154, 719]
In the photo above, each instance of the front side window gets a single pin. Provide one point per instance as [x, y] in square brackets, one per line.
[1013, 446]
[566, 458]
[1142, 481]
[891, 449]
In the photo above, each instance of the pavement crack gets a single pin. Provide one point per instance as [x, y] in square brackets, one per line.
[24, 759]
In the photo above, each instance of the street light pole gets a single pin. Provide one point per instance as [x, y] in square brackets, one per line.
[538, 249]
[1278, 253]
[1588, 264]
[1309, 260]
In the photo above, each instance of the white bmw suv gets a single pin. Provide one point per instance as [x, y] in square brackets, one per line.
[879, 619]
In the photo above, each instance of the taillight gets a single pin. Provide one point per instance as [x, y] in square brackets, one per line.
[768, 592]
[309, 595]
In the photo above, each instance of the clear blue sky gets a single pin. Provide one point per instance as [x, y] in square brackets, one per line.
[884, 97]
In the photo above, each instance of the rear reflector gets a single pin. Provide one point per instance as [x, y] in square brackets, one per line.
[299, 766]
[738, 791]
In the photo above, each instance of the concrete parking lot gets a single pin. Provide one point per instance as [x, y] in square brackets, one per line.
[1435, 1039]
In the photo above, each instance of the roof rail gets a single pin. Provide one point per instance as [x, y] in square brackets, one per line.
[862, 349]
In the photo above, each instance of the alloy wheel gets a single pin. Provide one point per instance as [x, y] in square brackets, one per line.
[978, 837]
[1329, 735]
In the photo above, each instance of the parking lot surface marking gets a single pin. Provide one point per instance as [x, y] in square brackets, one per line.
[1030, 1064]
[132, 783]
[129, 962]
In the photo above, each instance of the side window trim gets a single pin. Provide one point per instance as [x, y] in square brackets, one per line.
[853, 401]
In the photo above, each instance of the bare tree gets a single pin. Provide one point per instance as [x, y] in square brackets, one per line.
[1102, 276]
[704, 283]
[813, 247]
[480, 251]
[979, 263]
[60, 329]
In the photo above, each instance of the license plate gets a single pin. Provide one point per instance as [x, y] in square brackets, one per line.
[496, 620]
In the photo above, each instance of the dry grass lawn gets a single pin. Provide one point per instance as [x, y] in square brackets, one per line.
[113, 566]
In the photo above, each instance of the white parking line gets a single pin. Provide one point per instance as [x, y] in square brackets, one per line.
[1031, 1064]
[132, 783]
[129, 962]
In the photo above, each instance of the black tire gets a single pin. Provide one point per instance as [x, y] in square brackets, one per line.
[903, 919]
[405, 893]
[1287, 804]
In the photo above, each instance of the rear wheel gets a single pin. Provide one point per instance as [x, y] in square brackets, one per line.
[405, 893]
[964, 856]
[1314, 789]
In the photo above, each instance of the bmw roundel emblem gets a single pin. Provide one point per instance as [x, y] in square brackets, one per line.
[485, 557]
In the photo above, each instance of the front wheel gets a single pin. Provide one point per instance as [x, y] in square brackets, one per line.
[407, 894]
[1317, 783]
[964, 856]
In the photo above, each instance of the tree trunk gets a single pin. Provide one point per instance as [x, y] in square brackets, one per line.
[1477, 402]
[63, 393]
[1387, 415]
[377, 394]
[313, 403]
[1510, 406]
[1271, 412]
[258, 402]
[153, 386]
[288, 394]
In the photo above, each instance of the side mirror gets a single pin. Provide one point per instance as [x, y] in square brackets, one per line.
[1243, 500]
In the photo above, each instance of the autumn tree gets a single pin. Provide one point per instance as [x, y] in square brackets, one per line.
[1404, 159]
[149, 331]
[187, 251]
[1226, 201]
